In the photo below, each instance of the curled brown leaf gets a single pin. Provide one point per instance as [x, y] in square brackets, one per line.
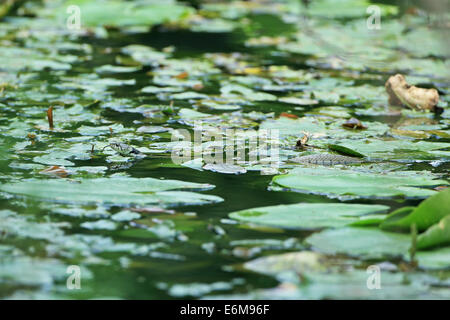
[403, 94]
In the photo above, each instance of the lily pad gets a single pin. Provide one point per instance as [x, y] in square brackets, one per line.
[363, 242]
[224, 168]
[307, 215]
[373, 243]
[117, 191]
[99, 225]
[336, 182]
[120, 13]
[300, 262]
[429, 212]
[435, 259]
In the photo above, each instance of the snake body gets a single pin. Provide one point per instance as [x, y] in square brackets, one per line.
[326, 159]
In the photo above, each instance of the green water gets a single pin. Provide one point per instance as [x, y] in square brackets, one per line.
[202, 252]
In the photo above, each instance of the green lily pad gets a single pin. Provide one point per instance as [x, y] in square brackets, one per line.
[117, 191]
[346, 8]
[335, 182]
[16, 59]
[301, 262]
[99, 225]
[438, 234]
[121, 13]
[19, 226]
[322, 131]
[429, 212]
[434, 259]
[307, 215]
[394, 149]
[125, 215]
[363, 242]
[26, 271]
[235, 90]
[373, 243]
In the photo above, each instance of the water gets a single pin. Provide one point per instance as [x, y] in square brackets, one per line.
[204, 254]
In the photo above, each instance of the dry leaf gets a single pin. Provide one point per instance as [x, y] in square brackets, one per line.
[354, 123]
[50, 117]
[55, 171]
[182, 75]
[288, 115]
[402, 94]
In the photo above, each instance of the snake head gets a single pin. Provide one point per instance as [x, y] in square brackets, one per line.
[123, 149]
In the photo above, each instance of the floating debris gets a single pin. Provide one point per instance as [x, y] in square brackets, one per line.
[402, 94]
[303, 142]
[354, 123]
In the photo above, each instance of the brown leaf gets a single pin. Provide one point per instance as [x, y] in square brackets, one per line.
[50, 117]
[182, 75]
[354, 123]
[402, 94]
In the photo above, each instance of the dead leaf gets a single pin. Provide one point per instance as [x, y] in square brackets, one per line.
[182, 75]
[303, 142]
[402, 94]
[55, 171]
[288, 115]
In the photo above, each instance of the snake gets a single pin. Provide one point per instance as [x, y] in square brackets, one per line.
[326, 159]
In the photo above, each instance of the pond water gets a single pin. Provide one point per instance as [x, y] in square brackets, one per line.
[68, 199]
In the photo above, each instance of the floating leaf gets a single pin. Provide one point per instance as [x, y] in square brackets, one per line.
[300, 262]
[438, 234]
[335, 182]
[345, 151]
[429, 212]
[307, 215]
[120, 13]
[365, 242]
[99, 225]
[125, 215]
[373, 243]
[224, 168]
[118, 191]
[434, 259]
